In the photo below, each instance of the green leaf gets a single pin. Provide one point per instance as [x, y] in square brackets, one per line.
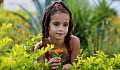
[101, 68]
[80, 51]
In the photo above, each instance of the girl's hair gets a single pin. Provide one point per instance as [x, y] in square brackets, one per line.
[51, 10]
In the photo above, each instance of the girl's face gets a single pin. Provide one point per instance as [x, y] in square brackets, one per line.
[58, 27]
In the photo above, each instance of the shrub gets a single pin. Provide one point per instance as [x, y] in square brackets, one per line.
[20, 56]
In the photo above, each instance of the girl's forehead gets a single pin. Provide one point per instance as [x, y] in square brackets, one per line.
[59, 12]
[60, 16]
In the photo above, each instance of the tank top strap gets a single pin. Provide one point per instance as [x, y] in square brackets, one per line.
[69, 49]
[69, 52]
[47, 53]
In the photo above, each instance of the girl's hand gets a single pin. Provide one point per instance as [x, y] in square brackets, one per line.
[65, 67]
[37, 47]
[54, 62]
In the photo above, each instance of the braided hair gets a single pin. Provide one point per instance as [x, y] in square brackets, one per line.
[52, 9]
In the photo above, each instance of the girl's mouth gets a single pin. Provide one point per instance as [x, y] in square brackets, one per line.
[60, 34]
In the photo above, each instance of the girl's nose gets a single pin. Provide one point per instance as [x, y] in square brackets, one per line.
[61, 28]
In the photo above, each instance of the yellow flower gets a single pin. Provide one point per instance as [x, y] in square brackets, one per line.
[92, 44]
[98, 40]
[117, 30]
[118, 20]
[20, 22]
[12, 41]
[108, 19]
[1, 4]
[25, 35]
[89, 39]
[112, 15]
[58, 50]
[23, 32]
[113, 39]
[15, 25]
[18, 30]
[104, 49]
[95, 48]
[9, 10]
[110, 42]
[28, 25]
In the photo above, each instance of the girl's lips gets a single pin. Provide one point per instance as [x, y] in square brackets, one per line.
[59, 34]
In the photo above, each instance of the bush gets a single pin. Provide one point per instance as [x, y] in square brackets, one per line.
[20, 56]
[99, 62]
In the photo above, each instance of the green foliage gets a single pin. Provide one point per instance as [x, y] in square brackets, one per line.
[107, 39]
[98, 62]
[7, 17]
[100, 31]
[4, 40]
[1, 1]
[31, 43]
[20, 30]
[98, 23]
[86, 16]
[18, 57]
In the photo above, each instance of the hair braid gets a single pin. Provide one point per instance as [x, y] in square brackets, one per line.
[44, 23]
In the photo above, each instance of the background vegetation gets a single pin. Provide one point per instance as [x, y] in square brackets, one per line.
[93, 25]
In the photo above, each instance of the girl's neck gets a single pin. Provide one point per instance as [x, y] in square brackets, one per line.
[56, 43]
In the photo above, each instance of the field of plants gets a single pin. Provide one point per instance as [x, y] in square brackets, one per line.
[98, 28]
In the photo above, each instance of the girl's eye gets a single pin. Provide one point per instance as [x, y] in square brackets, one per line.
[65, 24]
[56, 24]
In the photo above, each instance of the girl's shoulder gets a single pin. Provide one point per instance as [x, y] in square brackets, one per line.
[74, 42]
[74, 39]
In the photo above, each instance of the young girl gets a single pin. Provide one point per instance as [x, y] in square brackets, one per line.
[56, 29]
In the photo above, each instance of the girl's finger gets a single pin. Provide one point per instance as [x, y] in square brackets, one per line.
[53, 61]
[54, 67]
[56, 58]
[55, 64]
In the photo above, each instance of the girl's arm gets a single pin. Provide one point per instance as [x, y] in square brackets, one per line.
[41, 58]
[37, 46]
[75, 47]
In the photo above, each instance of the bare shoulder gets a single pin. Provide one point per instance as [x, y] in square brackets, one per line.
[74, 42]
[74, 39]
[37, 46]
